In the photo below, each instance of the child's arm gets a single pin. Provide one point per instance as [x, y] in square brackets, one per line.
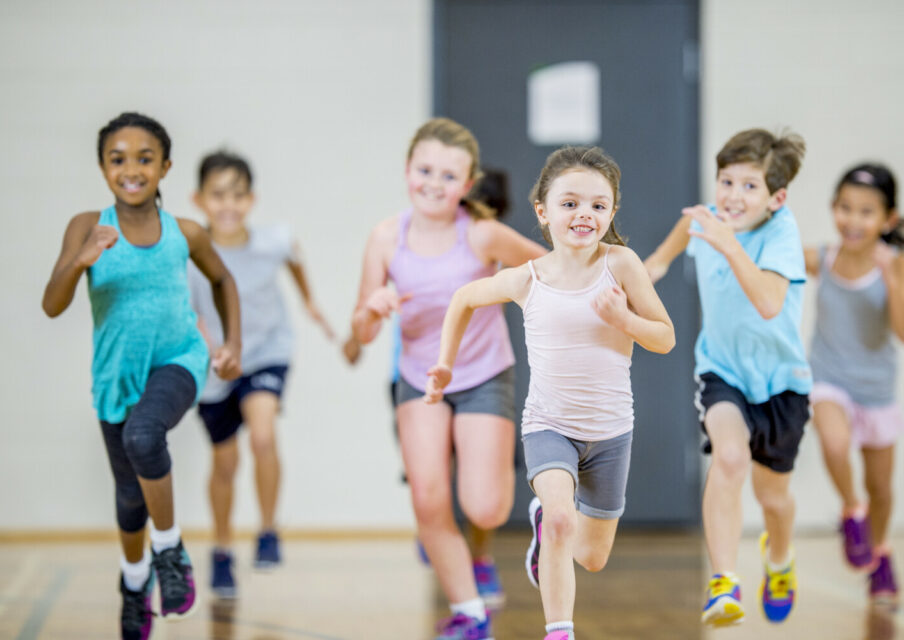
[496, 242]
[506, 286]
[83, 243]
[376, 301]
[811, 260]
[226, 359]
[298, 275]
[635, 308]
[765, 289]
[658, 262]
[891, 264]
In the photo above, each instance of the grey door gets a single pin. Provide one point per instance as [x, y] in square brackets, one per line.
[484, 52]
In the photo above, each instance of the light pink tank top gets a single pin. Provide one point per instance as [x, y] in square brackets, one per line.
[580, 366]
[485, 349]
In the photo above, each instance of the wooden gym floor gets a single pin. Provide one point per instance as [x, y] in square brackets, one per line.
[354, 589]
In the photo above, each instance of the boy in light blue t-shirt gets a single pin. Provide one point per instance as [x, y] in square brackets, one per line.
[751, 366]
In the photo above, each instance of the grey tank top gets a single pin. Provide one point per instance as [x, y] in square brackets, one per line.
[853, 347]
[266, 331]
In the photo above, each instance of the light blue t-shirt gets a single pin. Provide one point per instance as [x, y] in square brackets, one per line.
[761, 358]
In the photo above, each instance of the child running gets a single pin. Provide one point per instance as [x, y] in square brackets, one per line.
[150, 360]
[440, 243]
[751, 368]
[585, 305]
[255, 256]
[860, 309]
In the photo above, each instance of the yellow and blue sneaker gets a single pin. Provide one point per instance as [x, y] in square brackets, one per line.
[723, 601]
[778, 588]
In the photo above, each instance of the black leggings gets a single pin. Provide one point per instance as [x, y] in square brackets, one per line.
[137, 447]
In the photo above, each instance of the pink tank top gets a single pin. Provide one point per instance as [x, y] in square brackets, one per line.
[431, 280]
[580, 366]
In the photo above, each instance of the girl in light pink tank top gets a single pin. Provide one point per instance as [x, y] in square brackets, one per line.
[428, 252]
[585, 305]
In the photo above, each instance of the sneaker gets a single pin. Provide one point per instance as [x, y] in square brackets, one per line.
[723, 602]
[221, 581]
[858, 550]
[267, 556]
[882, 585]
[488, 586]
[137, 617]
[178, 598]
[778, 588]
[559, 635]
[532, 559]
[462, 627]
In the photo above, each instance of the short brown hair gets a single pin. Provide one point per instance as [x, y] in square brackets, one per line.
[568, 159]
[779, 156]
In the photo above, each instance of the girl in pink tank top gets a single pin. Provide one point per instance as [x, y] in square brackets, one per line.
[585, 305]
[444, 241]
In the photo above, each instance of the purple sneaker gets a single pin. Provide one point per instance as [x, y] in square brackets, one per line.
[462, 627]
[137, 618]
[177, 585]
[488, 586]
[857, 545]
[532, 559]
[882, 585]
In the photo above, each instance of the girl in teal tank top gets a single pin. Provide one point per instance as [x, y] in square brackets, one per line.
[150, 360]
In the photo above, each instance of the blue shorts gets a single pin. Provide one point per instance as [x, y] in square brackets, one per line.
[599, 468]
[496, 396]
[223, 419]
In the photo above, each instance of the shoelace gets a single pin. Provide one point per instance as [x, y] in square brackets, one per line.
[168, 564]
[134, 610]
[720, 586]
[455, 622]
[780, 585]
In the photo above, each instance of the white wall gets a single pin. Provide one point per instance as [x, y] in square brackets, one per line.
[831, 71]
[323, 98]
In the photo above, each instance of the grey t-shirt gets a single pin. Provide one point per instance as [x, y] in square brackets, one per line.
[266, 332]
[853, 347]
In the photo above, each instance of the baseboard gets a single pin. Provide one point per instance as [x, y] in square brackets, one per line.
[57, 536]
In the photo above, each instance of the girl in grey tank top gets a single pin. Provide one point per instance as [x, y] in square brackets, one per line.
[859, 310]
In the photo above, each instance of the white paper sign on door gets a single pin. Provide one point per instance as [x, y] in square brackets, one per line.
[563, 104]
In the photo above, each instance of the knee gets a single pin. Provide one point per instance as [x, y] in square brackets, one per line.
[559, 524]
[775, 501]
[732, 462]
[145, 445]
[596, 561]
[225, 467]
[263, 442]
[489, 515]
[834, 446]
[432, 504]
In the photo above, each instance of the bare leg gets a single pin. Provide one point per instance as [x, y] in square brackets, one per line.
[834, 430]
[481, 541]
[722, 517]
[132, 545]
[425, 435]
[594, 542]
[259, 411]
[484, 453]
[158, 496]
[878, 465]
[772, 490]
[222, 478]
[555, 489]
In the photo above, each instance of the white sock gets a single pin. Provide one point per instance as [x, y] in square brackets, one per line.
[565, 625]
[472, 608]
[778, 567]
[135, 574]
[163, 540]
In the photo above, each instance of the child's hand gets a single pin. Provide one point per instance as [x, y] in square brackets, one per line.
[612, 306]
[383, 301]
[101, 238]
[351, 349]
[317, 317]
[226, 362]
[716, 231]
[438, 378]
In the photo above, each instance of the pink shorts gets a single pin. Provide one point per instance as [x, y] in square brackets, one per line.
[871, 427]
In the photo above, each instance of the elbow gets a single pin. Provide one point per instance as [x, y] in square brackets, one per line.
[49, 309]
[769, 311]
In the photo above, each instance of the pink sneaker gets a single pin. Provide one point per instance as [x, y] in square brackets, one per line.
[559, 635]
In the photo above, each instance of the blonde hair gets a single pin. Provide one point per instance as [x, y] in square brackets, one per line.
[570, 158]
[453, 134]
[779, 156]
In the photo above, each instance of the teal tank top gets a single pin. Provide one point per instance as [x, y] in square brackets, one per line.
[142, 317]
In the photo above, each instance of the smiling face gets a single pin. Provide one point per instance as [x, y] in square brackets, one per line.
[133, 165]
[438, 177]
[860, 216]
[226, 199]
[743, 197]
[578, 209]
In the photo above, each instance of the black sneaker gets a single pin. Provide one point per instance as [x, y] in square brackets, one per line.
[177, 585]
[136, 618]
[221, 580]
[267, 556]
